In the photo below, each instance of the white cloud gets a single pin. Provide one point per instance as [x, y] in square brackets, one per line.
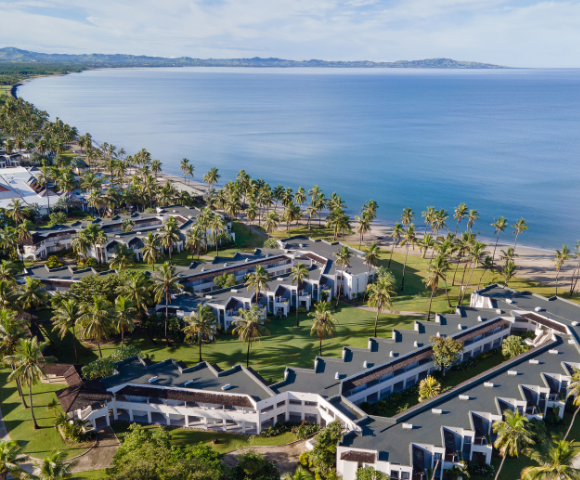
[511, 32]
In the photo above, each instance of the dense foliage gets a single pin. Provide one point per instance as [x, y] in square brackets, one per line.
[104, 367]
[322, 458]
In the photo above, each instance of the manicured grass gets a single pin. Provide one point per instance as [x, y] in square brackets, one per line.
[286, 344]
[90, 475]
[5, 90]
[226, 441]
[36, 443]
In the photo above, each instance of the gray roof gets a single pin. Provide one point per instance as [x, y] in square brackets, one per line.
[42, 272]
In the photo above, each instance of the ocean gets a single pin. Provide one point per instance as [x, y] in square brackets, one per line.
[505, 142]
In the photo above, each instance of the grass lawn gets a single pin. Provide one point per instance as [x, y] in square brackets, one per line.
[226, 441]
[90, 475]
[5, 90]
[286, 345]
[18, 421]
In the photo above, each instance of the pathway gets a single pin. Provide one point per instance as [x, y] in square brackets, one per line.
[101, 455]
[285, 457]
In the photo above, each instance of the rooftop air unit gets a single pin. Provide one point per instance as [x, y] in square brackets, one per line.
[227, 386]
[153, 379]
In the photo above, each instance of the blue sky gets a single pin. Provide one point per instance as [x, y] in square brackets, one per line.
[521, 33]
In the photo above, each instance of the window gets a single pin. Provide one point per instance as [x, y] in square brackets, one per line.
[405, 475]
[311, 404]
[267, 409]
[295, 402]
[281, 404]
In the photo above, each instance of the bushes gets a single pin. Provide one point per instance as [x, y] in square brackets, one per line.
[53, 262]
[253, 466]
[301, 430]
[73, 431]
[481, 470]
[305, 430]
[105, 367]
[393, 404]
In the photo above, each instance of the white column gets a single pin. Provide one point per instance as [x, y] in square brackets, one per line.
[187, 420]
[115, 415]
[149, 417]
[168, 419]
[131, 414]
[243, 426]
[205, 422]
[108, 419]
[224, 425]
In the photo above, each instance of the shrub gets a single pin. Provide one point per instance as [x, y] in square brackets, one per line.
[305, 430]
[104, 367]
[253, 466]
[57, 217]
[53, 262]
[481, 470]
[513, 346]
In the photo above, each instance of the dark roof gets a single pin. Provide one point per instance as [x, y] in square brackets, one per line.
[354, 456]
[82, 395]
[545, 322]
[201, 397]
[73, 375]
[58, 369]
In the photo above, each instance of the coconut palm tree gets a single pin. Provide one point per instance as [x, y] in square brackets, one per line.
[407, 216]
[28, 361]
[513, 436]
[156, 167]
[499, 225]
[437, 272]
[559, 258]
[555, 463]
[258, 280]
[124, 257]
[11, 332]
[12, 459]
[271, 221]
[429, 387]
[371, 258]
[164, 284]
[460, 212]
[150, 250]
[125, 314]
[16, 210]
[323, 323]
[249, 327]
[396, 235]
[32, 293]
[218, 225]
[409, 238]
[137, 288]
[169, 234]
[475, 256]
[201, 324]
[55, 467]
[212, 177]
[298, 274]
[194, 240]
[380, 294]
[429, 216]
[471, 218]
[574, 393]
[425, 244]
[251, 213]
[97, 320]
[508, 271]
[66, 317]
[519, 227]
[363, 226]
[343, 257]
[486, 265]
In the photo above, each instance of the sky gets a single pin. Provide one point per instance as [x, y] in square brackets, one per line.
[518, 33]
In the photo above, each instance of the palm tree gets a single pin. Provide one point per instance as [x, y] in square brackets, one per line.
[471, 218]
[28, 361]
[202, 325]
[500, 225]
[560, 257]
[437, 272]
[165, 283]
[519, 227]
[380, 294]
[342, 260]
[32, 293]
[556, 463]
[124, 257]
[363, 226]
[460, 212]
[396, 235]
[55, 467]
[429, 387]
[508, 271]
[409, 238]
[11, 332]
[125, 314]
[212, 177]
[156, 167]
[66, 317]
[249, 327]
[486, 265]
[574, 393]
[136, 287]
[371, 258]
[407, 216]
[271, 221]
[323, 323]
[218, 225]
[169, 234]
[194, 240]
[16, 211]
[299, 474]
[512, 436]
[477, 251]
[11, 460]
[429, 216]
[252, 213]
[258, 280]
[298, 274]
[97, 320]
[150, 250]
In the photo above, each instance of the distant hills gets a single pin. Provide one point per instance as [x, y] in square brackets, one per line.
[16, 56]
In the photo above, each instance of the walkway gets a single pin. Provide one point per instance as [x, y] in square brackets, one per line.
[285, 457]
[101, 456]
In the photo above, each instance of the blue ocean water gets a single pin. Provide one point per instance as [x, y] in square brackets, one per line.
[506, 142]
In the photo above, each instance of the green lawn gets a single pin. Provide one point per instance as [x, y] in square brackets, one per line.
[18, 420]
[5, 90]
[90, 475]
[226, 441]
[286, 345]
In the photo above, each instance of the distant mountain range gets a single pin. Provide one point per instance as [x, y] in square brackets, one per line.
[96, 60]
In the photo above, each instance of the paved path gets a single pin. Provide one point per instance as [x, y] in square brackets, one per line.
[285, 457]
[101, 456]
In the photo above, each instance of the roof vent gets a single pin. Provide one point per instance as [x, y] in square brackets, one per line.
[139, 233]
[246, 260]
[438, 334]
[534, 361]
[153, 379]
[407, 426]
[391, 354]
[489, 384]
[227, 386]
[459, 327]
[538, 309]
[438, 318]
[189, 216]
[174, 211]
[436, 411]
[203, 269]
[302, 245]
[499, 310]
[225, 264]
[189, 382]
[76, 278]
[463, 397]
[479, 318]
[509, 300]
[366, 364]
[337, 376]
[575, 324]
[208, 297]
[415, 343]
[512, 373]
[553, 352]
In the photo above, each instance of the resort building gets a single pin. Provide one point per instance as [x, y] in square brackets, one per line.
[433, 436]
[19, 183]
[59, 279]
[45, 241]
